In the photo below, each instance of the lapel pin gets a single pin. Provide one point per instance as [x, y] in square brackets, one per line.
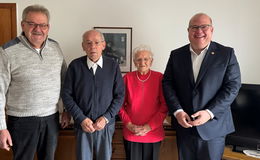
[212, 53]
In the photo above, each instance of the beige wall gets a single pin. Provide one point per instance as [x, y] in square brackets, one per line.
[161, 24]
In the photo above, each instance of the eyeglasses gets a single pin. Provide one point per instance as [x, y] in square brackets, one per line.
[204, 27]
[139, 60]
[35, 25]
[90, 43]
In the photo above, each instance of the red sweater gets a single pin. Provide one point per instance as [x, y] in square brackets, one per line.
[144, 104]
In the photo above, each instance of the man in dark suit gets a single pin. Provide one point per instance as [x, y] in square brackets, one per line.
[200, 82]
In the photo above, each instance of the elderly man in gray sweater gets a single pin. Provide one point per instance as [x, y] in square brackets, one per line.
[32, 68]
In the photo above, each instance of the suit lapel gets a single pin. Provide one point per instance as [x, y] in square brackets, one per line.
[208, 59]
[188, 65]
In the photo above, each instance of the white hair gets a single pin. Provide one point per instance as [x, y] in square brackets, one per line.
[142, 47]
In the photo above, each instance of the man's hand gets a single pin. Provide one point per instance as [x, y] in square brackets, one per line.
[183, 119]
[5, 140]
[200, 118]
[100, 123]
[87, 125]
[65, 119]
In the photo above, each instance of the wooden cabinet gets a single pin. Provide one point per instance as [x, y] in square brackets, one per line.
[5, 155]
[66, 148]
[169, 147]
[118, 152]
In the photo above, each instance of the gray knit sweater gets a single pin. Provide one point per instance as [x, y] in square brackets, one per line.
[30, 82]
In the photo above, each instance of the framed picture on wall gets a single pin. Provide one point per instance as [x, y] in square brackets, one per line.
[118, 45]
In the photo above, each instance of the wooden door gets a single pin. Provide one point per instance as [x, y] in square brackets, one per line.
[7, 32]
[8, 28]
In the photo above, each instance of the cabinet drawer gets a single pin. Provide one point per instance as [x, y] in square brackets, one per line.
[118, 151]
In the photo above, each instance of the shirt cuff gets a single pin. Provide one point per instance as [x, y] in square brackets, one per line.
[177, 111]
[210, 113]
[107, 121]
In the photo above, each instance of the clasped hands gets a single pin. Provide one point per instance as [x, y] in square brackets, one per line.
[89, 126]
[196, 119]
[138, 130]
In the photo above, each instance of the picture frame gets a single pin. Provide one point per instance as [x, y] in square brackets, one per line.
[118, 45]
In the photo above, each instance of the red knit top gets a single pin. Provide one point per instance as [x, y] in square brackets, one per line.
[144, 104]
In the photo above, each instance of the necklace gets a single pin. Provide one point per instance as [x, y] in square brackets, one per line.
[144, 79]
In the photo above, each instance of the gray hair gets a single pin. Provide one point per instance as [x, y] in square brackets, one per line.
[35, 8]
[93, 30]
[198, 15]
[143, 47]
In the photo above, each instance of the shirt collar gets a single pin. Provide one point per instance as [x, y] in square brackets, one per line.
[204, 51]
[91, 63]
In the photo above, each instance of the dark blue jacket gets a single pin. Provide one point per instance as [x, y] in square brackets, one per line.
[215, 89]
[85, 95]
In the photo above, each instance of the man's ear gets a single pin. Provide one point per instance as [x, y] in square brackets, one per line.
[104, 45]
[22, 24]
[212, 29]
[82, 44]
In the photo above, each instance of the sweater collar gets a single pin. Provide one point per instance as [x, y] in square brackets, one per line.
[26, 42]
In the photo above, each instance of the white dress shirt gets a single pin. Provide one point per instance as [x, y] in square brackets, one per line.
[94, 65]
[196, 60]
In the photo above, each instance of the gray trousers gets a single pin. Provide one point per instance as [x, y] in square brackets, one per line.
[97, 145]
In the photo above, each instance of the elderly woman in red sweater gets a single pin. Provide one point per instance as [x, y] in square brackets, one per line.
[144, 109]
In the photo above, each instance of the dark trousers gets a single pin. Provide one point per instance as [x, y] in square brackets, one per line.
[142, 151]
[32, 135]
[96, 145]
[192, 147]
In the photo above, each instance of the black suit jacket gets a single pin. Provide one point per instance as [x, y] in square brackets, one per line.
[216, 87]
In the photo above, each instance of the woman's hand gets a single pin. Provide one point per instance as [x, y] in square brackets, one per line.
[138, 130]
